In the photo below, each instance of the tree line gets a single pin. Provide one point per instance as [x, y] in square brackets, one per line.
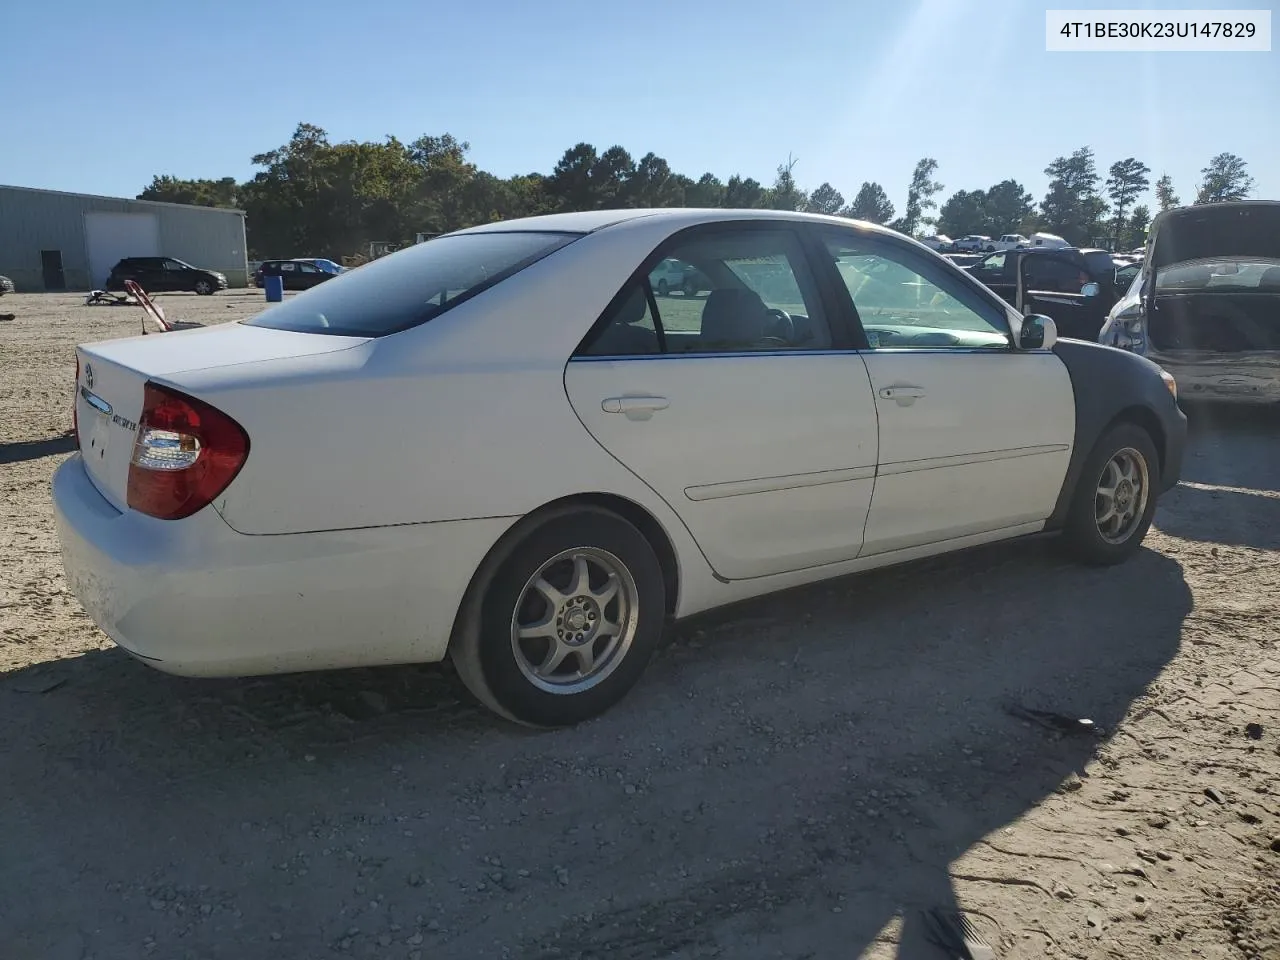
[318, 198]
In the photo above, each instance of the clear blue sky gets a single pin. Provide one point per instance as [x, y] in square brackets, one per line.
[101, 96]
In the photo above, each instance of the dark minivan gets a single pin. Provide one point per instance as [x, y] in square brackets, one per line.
[300, 274]
[165, 275]
[1076, 287]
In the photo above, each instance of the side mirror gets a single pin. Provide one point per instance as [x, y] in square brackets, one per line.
[1090, 289]
[1038, 332]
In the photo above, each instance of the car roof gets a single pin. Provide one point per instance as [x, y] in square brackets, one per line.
[591, 221]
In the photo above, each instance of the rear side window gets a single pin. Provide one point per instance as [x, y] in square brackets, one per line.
[411, 286]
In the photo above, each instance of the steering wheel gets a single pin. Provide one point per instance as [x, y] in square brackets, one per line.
[782, 328]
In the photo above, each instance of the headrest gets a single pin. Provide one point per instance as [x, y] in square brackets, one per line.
[734, 315]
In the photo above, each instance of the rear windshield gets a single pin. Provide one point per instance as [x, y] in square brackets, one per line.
[411, 286]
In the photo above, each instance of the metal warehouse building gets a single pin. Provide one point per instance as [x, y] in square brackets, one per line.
[51, 240]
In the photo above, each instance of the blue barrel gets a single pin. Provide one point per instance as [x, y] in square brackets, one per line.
[274, 285]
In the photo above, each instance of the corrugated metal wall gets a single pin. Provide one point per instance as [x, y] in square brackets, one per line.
[36, 220]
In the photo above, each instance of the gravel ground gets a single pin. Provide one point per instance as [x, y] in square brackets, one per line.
[797, 778]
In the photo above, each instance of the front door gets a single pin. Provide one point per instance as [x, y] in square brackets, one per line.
[150, 273]
[734, 407]
[975, 436]
[309, 275]
[1051, 284]
[51, 269]
[998, 272]
[175, 275]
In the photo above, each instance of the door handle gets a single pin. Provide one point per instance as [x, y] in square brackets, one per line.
[904, 394]
[635, 408]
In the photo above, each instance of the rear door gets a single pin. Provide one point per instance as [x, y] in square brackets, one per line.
[975, 436]
[1051, 284]
[743, 409]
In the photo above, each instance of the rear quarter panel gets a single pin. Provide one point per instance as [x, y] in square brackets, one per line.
[463, 417]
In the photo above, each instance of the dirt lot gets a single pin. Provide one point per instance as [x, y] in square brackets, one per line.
[797, 778]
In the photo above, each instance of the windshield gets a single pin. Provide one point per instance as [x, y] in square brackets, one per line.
[410, 287]
[1212, 275]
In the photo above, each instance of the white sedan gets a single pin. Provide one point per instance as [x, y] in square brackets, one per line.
[499, 446]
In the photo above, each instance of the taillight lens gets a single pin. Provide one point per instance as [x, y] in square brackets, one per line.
[185, 454]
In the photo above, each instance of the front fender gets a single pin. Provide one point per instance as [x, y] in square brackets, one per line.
[1110, 385]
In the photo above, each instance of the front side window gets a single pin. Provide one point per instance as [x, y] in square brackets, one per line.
[752, 291]
[905, 301]
[175, 265]
[991, 268]
[412, 286]
[1053, 275]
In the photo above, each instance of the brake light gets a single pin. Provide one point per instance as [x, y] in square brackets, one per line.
[185, 454]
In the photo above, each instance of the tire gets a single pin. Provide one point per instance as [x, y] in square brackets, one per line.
[542, 681]
[663, 288]
[1083, 536]
[990, 249]
[204, 288]
[690, 288]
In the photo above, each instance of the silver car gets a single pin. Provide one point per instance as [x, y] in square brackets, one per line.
[1205, 305]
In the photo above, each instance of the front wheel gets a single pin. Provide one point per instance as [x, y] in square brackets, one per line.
[568, 621]
[204, 288]
[1115, 497]
[663, 288]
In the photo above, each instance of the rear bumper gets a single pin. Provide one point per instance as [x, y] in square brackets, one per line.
[193, 597]
[1222, 381]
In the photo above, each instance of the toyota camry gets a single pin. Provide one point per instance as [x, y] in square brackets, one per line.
[512, 447]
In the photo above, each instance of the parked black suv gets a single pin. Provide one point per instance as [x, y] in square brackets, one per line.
[1075, 287]
[300, 274]
[165, 275]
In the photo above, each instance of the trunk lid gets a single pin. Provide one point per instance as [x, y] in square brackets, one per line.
[113, 374]
[1244, 228]
[1211, 299]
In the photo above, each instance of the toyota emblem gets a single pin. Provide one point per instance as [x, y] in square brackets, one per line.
[88, 376]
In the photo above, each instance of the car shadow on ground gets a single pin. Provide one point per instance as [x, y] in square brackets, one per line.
[1217, 435]
[22, 450]
[1228, 497]
[789, 778]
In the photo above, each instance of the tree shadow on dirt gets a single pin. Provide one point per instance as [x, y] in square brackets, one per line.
[22, 450]
[791, 776]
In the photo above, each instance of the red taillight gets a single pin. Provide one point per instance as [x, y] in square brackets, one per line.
[185, 454]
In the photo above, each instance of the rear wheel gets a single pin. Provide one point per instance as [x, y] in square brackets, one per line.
[1115, 497]
[567, 623]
